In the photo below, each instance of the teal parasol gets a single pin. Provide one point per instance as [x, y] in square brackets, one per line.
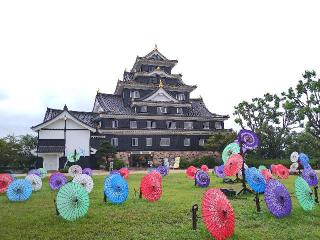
[230, 149]
[304, 194]
[72, 201]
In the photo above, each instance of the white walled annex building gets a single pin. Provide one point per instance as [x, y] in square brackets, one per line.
[62, 132]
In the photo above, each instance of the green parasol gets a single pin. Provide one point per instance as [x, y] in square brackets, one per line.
[304, 194]
[232, 148]
[72, 201]
[262, 167]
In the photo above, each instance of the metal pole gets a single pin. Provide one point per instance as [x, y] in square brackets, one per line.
[194, 210]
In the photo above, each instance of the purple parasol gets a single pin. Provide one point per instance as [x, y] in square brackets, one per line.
[35, 172]
[277, 198]
[87, 171]
[202, 179]
[162, 170]
[248, 139]
[57, 180]
[218, 170]
[310, 176]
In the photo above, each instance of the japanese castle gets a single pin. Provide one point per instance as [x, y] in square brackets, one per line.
[150, 116]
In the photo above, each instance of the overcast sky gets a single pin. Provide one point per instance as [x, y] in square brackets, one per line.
[57, 52]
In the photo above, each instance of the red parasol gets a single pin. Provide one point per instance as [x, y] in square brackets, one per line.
[274, 168]
[151, 187]
[124, 172]
[266, 174]
[5, 180]
[157, 175]
[217, 214]
[282, 171]
[191, 172]
[233, 165]
[204, 168]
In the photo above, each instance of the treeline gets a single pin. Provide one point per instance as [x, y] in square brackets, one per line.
[284, 123]
[16, 152]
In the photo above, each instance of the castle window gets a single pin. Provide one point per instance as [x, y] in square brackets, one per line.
[133, 124]
[181, 97]
[218, 125]
[134, 94]
[144, 109]
[206, 125]
[188, 125]
[161, 110]
[171, 125]
[114, 142]
[148, 142]
[165, 142]
[179, 111]
[201, 142]
[186, 142]
[115, 124]
[134, 142]
[151, 124]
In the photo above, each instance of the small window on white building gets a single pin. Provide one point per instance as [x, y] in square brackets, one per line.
[134, 94]
[186, 142]
[134, 142]
[148, 142]
[171, 125]
[179, 111]
[201, 142]
[161, 110]
[133, 124]
[181, 97]
[188, 125]
[165, 142]
[151, 124]
[144, 109]
[114, 142]
[206, 125]
[115, 124]
[218, 125]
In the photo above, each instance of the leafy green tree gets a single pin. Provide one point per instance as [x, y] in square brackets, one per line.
[105, 151]
[305, 98]
[217, 142]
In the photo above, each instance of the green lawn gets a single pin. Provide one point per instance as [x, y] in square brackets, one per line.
[169, 218]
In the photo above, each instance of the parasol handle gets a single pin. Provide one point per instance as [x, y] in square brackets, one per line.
[316, 199]
[194, 210]
[140, 193]
[104, 197]
[55, 204]
[257, 202]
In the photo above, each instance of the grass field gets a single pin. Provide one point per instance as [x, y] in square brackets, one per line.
[169, 218]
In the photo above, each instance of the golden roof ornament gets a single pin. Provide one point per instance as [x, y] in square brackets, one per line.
[160, 84]
[158, 68]
[98, 90]
[155, 47]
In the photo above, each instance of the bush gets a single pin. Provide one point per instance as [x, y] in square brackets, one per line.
[209, 161]
[117, 164]
[64, 170]
[184, 163]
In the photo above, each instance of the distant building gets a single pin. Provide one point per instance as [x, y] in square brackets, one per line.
[149, 116]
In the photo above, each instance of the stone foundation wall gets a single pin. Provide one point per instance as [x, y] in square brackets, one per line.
[158, 155]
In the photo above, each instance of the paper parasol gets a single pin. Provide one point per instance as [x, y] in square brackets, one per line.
[294, 157]
[57, 180]
[248, 139]
[156, 174]
[74, 170]
[266, 174]
[72, 201]
[162, 170]
[217, 214]
[282, 171]
[255, 180]
[35, 171]
[310, 176]
[304, 160]
[151, 187]
[219, 171]
[304, 194]
[124, 172]
[5, 180]
[85, 181]
[204, 168]
[19, 190]
[116, 189]
[191, 172]
[43, 172]
[230, 149]
[294, 167]
[115, 172]
[233, 165]
[262, 167]
[87, 171]
[277, 198]
[35, 181]
[202, 179]
[240, 171]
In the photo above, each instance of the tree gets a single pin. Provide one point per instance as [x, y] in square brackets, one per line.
[217, 142]
[272, 118]
[305, 98]
[105, 151]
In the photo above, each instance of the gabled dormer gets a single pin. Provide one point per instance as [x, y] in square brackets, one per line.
[160, 95]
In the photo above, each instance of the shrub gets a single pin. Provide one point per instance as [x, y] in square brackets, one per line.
[117, 164]
[184, 163]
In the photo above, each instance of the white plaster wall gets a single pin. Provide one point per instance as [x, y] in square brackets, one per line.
[51, 161]
[78, 140]
[51, 134]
